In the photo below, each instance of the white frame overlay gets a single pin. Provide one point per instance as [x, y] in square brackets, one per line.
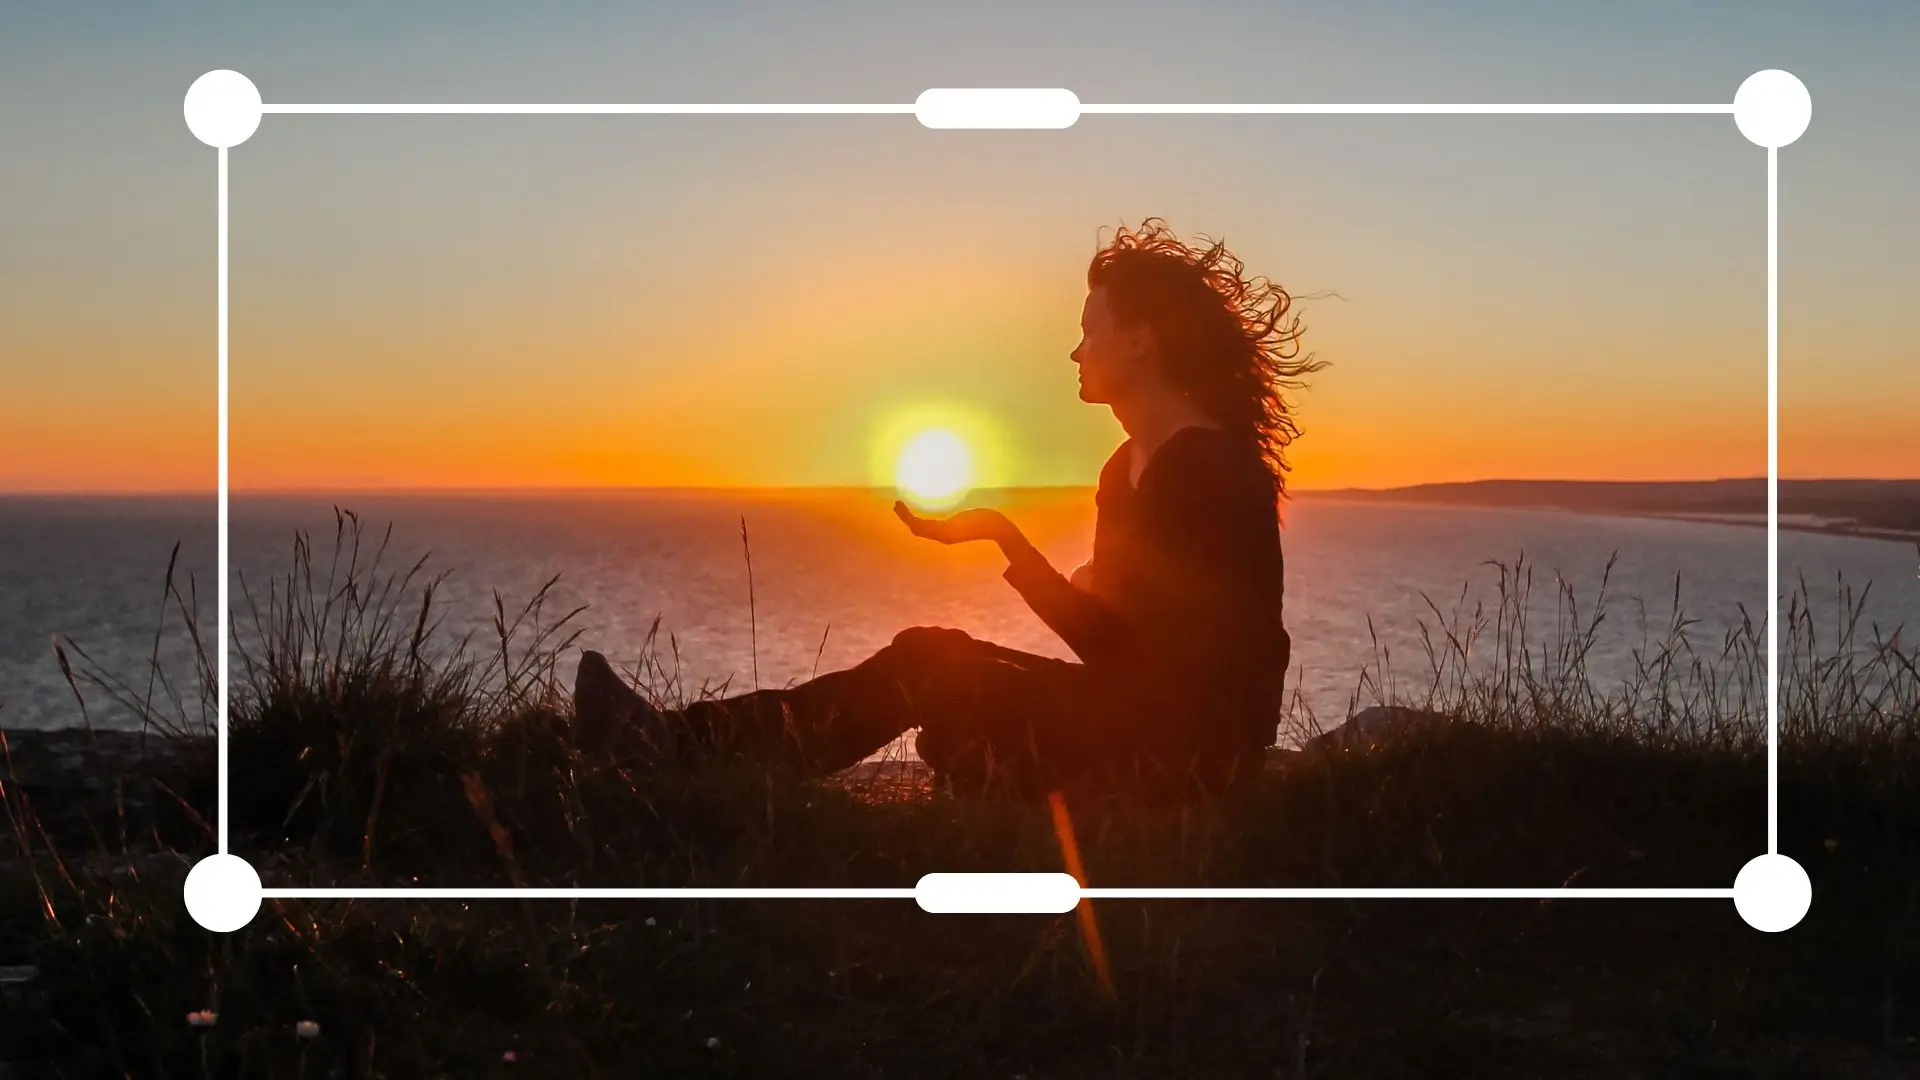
[228, 892]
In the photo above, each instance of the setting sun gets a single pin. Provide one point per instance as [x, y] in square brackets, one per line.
[935, 469]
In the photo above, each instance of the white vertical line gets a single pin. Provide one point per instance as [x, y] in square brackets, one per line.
[1773, 500]
[221, 592]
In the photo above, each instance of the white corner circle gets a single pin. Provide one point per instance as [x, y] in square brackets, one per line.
[1773, 893]
[223, 108]
[223, 893]
[1772, 108]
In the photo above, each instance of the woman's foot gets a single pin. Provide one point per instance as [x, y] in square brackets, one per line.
[611, 719]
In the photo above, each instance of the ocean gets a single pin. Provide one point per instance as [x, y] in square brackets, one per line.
[834, 576]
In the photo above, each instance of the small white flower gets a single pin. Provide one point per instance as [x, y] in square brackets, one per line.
[713, 1044]
[649, 920]
[307, 1029]
[509, 1057]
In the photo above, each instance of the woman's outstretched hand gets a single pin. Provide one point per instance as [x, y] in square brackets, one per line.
[963, 527]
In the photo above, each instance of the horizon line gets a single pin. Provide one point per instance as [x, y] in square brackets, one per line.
[534, 489]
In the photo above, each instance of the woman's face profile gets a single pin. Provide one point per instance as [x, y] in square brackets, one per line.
[1113, 359]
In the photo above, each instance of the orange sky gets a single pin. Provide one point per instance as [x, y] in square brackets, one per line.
[552, 302]
[447, 396]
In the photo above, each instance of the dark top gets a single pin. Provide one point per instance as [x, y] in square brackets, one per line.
[1187, 585]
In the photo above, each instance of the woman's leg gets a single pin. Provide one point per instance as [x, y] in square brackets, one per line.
[927, 676]
[1032, 724]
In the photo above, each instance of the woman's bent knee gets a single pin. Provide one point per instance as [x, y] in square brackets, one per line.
[931, 641]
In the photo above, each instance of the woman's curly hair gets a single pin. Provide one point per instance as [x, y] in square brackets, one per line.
[1226, 340]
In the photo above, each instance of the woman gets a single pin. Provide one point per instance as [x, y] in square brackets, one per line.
[1176, 619]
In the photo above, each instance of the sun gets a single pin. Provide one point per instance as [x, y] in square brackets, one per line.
[934, 469]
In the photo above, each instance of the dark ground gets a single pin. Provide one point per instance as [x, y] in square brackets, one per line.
[873, 988]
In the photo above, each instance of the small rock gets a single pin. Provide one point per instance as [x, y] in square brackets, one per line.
[1372, 722]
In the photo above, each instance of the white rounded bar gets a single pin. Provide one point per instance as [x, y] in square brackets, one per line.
[997, 894]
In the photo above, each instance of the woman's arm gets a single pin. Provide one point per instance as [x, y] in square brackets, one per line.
[1095, 632]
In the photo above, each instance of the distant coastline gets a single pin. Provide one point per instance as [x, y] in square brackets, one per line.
[1868, 509]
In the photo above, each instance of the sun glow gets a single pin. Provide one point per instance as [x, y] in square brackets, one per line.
[935, 469]
[938, 455]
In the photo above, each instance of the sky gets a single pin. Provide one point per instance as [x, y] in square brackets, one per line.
[493, 301]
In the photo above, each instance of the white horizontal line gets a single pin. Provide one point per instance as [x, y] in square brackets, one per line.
[908, 109]
[908, 894]
[1389, 109]
[1407, 894]
[404, 893]
[552, 109]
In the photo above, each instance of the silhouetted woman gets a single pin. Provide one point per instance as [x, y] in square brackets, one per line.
[1176, 618]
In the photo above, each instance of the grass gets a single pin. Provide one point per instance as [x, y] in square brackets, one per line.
[369, 749]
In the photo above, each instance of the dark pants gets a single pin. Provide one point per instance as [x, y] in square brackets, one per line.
[987, 715]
